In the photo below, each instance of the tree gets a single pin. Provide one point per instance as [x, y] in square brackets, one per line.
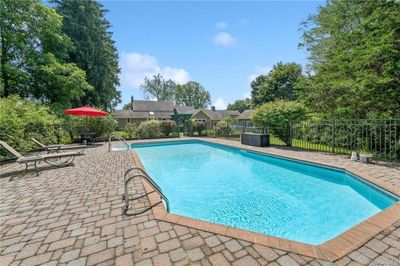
[158, 88]
[281, 83]
[256, 85]
[31, 39]
[354, 58]
[52, 87]
[277, 115]
[224, 127]
[240, 105]
[93, 50]
[127, 106]
[192, 94]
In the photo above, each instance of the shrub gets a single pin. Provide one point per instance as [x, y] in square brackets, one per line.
[277, 115]
[149, 129]
[130, 130]
[21, 119]
[224, 127]
[200, 126]
[102, 125]
[167, 127]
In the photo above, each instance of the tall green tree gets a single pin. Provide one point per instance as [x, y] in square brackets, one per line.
[354, 58]
[93, 50]
[158, 88]
[127, 106]
[256, 85]
[240, 105]
[31, 39]
[281, 83]
[192, 94]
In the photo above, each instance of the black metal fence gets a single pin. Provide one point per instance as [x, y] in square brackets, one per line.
[381, 138]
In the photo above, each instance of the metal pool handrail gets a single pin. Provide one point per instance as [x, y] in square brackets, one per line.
[144, 175]
[121, 139]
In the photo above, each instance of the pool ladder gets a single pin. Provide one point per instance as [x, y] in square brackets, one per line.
[139, 172]
[121, 139]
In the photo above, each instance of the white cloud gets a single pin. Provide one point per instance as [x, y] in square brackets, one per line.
[136, 66]
[221, 25]
[224, 38]
[258, 70]
[220, 104]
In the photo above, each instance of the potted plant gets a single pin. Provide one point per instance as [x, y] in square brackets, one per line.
[365, 156]
[354, 156]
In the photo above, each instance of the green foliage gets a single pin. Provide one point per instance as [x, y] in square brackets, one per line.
[93, 50]
[240, 105]
[149, 129]
[224, 127]
[277, 115]
[167, 127]
[281, 83]
[199, 126]
[192, 94]
[159, 88]
[130, 130]
[59, 84]
[127, 106]
[31, 39]
[256, 86]
[103, 126]
[354, 59]
[22, 119]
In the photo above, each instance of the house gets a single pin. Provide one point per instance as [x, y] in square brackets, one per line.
[211, 117]
[244, 119]
[162, 110]
[147, 110]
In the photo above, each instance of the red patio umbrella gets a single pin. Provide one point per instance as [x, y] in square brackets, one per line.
[85, 111]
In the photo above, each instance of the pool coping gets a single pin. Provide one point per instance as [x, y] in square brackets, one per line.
[330, 250]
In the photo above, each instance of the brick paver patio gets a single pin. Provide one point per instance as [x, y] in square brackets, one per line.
[73, 216]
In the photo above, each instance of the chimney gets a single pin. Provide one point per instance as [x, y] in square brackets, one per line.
[132, 102]
[213, 108]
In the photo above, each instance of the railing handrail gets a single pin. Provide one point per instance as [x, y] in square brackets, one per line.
[121, 139]
[150, 181]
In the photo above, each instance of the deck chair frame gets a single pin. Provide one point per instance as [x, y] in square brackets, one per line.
[47, 158]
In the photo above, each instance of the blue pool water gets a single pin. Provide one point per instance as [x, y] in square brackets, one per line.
[260, 193]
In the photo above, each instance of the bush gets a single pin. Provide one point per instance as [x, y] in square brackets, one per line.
[130, 130]
[103, 126]
[167, 127]
[224, 127]
[21, 119]
[276, 117]
[149, 129]
[199, 126]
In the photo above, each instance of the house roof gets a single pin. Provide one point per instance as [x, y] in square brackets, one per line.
[246, 115]
[218, 114]
[153, 106]
[152, 109]
[185, 109]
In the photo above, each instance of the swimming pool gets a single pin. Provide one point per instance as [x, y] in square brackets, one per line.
[260, 193]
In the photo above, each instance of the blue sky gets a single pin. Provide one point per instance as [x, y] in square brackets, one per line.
[222, 45]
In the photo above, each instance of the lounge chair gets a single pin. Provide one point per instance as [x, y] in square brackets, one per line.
[51, 158]
[56, 147]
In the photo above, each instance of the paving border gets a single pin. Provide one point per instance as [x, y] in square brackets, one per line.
[330, 250]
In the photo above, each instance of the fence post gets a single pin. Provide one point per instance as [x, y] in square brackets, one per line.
[333, 136]
[290, 134]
